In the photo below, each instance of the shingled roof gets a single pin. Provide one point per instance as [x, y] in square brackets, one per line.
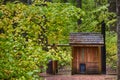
[86, 38]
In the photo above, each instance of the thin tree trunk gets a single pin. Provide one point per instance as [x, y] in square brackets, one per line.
[118, 32]
[97, 3]
[118, 28]
[29, 2]
[79, 5]
[64, 1]
[112, 8]
[48, 0]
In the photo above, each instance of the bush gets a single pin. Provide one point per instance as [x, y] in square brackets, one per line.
[25, 30]
[111, 49]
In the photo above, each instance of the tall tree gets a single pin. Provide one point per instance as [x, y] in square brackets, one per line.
[100, 2]
[65, 1]
[79, 5]
[29, 1]
[112, 5]
[112, 8]
[118, 32]
[48, 0]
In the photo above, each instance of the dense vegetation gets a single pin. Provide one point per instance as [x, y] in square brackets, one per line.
[27, 30]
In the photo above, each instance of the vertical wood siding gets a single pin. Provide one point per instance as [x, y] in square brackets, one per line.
[90, 56]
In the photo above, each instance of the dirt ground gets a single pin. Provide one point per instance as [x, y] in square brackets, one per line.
[65, 74]
[78, 77]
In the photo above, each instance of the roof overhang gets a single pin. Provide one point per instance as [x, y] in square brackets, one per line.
[79, 39]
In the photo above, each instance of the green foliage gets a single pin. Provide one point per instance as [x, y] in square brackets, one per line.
[23, 33]
[62, 55]
[111, 48]
[93, 18]
[19, 59]
[26, 29]
[61, 21]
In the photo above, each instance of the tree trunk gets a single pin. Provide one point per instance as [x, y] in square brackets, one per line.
[97, 3]
[112, 8]
[48, 0]
[112, 5]
[29, 2]
[79, 5]
[118, 32]
[118, 26]
[65, 1]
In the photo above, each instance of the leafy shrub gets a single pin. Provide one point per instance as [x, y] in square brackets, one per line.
[23, 33]
[62, 55]
[111, 49]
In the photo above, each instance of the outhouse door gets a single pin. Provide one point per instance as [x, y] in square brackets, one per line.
[88, 60]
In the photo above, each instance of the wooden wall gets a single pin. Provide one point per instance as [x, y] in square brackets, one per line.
[90, 56]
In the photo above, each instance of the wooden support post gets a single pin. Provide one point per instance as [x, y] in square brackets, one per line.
[99, 52]
[103, 48]
[73, 70]
[52, 67]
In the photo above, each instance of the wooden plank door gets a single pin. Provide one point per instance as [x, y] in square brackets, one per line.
[92, 60]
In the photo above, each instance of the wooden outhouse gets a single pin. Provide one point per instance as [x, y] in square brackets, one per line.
[86, 52]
